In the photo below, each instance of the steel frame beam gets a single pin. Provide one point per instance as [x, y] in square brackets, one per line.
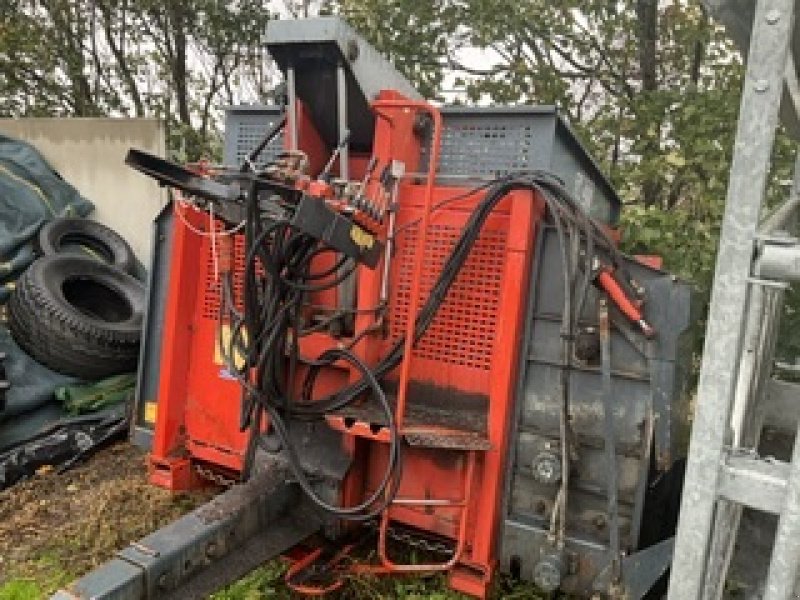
[758, 119]
[213, 545]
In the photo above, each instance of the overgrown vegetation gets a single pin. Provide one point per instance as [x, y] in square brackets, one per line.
[266, 583]
[57, 526]
[177, 60]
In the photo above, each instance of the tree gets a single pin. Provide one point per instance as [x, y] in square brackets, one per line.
[414, 36]
[653, 88]
[179, 60]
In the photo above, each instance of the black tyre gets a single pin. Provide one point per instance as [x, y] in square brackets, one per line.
[78, 316]
[82, 237]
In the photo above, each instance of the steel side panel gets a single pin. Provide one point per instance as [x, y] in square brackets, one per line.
[646, 380]
[150, 355]
[176, 338]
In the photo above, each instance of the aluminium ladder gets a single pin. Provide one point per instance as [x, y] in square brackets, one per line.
[736, 392]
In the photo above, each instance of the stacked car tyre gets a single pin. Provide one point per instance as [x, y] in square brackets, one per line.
[90, 239]
[80, 315]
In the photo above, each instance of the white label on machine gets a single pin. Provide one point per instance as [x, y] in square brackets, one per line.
[584, 190]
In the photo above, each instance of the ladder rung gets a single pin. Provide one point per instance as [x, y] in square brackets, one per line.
[429, 502]
[754, 482]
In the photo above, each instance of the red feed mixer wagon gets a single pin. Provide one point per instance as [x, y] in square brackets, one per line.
[413, 324]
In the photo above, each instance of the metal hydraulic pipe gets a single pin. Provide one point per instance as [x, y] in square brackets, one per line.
[346, 290]
[397, 169]
[291, 93]
[341, 104]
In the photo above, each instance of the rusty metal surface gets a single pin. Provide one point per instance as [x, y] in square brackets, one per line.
[430, 406]
[456, 440]
[646, 411]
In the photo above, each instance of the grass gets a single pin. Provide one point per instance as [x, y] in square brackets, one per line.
[266, 582]
[44, 576]
[54, 528]
[21, 589]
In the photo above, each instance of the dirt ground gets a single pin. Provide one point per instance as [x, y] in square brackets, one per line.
[55, 527]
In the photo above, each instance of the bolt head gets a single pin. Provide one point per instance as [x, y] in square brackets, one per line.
[599, 522]
[546, 468]
[547, 572]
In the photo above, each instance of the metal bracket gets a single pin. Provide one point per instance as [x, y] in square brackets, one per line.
[640, 571]
[780, 285]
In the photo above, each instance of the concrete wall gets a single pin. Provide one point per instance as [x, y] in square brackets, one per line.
[90, 154]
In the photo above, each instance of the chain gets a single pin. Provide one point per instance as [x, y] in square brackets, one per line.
[415, 541]
[214, 477]
[398, 535]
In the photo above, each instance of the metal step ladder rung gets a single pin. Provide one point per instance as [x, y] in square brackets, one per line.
[754, 482]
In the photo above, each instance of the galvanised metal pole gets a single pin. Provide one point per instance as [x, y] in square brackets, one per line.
[758, 119]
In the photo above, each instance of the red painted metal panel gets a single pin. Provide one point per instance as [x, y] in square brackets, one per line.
[466, 363]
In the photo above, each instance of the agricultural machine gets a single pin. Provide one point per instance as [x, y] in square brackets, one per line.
[405, 339]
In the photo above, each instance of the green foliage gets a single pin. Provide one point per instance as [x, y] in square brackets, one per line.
[177, 60]
[20, 589]
[264, 582]
[49, 574]
[415, 36]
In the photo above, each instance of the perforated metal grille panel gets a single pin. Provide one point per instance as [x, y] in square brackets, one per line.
[211, 296]
[476, 142]
[486, 147]
[244, 131]
[463, 331]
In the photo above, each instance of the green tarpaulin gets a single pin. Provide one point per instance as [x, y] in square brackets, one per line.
[82, 398]
[31, 193]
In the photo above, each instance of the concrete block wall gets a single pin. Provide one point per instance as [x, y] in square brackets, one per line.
[89, 153]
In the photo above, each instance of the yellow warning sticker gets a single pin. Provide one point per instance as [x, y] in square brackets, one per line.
[224, 345]
[361, 238]
[150, 412]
